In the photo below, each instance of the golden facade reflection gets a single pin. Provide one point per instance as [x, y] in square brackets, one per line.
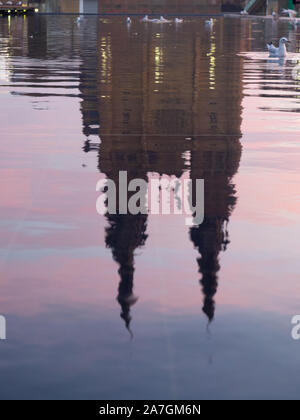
[165, 102]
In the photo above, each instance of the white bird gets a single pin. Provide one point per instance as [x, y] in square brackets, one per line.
[244, 12]
[296, 21]
[146, 19]
[292, 13]
[79, 19]
[209, 22]
[160, 20]
[128, 20]
[280, 51]
[163, 20]
[274, 14]
[177, 20]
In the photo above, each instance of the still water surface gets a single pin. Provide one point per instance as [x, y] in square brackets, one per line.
[205, 311]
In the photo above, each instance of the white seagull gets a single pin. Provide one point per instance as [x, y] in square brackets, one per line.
[292, 13]
[128, 20]
[209, 22]
[163, 20]
[280, 51]
[244, 12]
[177, 20]
[296, 21]
[146, 19]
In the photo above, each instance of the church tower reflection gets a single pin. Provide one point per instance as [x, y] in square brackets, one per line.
[125, 232]
[216, 165]
[156, 98]
[215, 156]
[124, 235]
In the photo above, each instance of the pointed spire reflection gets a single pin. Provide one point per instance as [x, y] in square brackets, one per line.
[211, 237]
[124, 235]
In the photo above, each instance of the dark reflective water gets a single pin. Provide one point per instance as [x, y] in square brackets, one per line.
[143, 306]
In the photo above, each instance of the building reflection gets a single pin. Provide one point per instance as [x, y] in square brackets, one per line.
[216, 164]
[154, 99]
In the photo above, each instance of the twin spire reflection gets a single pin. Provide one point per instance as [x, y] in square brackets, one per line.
[148, 95]
[154, 99]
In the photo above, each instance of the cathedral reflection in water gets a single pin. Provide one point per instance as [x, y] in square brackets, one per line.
[165, 104]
